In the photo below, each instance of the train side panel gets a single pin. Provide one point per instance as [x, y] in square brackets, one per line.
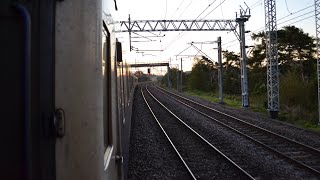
[64, 60]
[112, 120]
[79, 88]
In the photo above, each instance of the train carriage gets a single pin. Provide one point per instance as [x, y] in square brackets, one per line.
[73, 90]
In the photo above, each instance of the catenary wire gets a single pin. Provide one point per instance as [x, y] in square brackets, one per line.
[172, 42]
[283, 26]
[261, 28]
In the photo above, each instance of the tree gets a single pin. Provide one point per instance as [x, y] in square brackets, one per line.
[141, 76]
[297, 68]
[231, 73]
[232, 59]
[173, 77]
[299, 100]
[202, 75]
[294, 48]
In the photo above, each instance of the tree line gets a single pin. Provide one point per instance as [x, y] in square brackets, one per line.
[297, 74]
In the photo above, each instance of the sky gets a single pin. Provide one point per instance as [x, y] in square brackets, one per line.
[289, 12]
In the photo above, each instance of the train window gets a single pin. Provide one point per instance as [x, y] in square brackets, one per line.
[106, 76]
[128, 85]
[123, 96]
[119, 51]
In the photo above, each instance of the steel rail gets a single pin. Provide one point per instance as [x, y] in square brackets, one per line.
[183, 161]
[206, 141]
[317, 173]
[270, 132]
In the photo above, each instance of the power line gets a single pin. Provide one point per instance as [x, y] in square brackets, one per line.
[172, 42]
[214, 9]
[205, 9]
[178, 17]
[220, 4]
[255, 4]
[221, 11]
[185, 9]
[287, 7]
[176, 38]
[296, 17]
[281, 26]
[183, 50]
[166, 9]
[296, 12]
[299, 21]
[261, 28]
[177, 9]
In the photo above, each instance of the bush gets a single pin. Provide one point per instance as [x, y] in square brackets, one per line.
[297, 98]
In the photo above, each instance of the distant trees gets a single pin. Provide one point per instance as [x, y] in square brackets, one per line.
[174, 77]
[202, 76]
[231, 73]
[297, 70]
[297, 66]
[141, 76]
[295, 49]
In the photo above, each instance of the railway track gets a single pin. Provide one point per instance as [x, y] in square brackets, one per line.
[201, 158]
[304, 156]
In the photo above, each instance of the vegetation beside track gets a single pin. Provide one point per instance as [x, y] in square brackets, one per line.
[256, 105]
[297, 78]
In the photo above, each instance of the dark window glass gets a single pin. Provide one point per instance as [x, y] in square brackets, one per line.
[106, 76]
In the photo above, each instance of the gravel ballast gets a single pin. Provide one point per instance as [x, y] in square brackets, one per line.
[150, 154]
[253, 158]
[152, 157]
[204, 161]
[299, 134]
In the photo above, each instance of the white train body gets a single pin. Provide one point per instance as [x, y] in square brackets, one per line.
[93, 88]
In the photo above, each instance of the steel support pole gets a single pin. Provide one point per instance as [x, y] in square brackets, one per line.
[220, 71]
[272, 57]
[130, 33]
[181, 77]
[169, 84]
[317, 14]
[177, 78]
[244, 78]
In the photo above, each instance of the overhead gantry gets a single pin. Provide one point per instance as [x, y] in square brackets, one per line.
[153, 65]
[132, 26]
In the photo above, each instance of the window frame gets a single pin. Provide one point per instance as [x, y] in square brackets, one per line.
[107, 95]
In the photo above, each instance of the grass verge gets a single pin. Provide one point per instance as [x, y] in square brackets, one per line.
[257, 104]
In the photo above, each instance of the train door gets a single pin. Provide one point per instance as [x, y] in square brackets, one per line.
[27, 89]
